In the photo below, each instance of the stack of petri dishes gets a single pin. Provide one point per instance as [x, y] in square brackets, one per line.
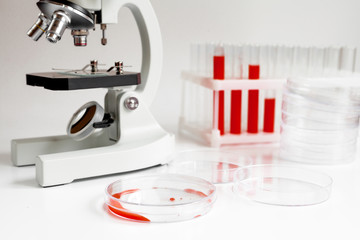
[320, 120]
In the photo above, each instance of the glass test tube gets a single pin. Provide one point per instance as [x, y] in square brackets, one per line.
[269, 111]
[209, 54]
[331, 61]
[284, 61]
[236, 99]
[264, 64]
[189, 89]
[207, 96]
[280, 62]
[219, 74]
[202, 59]
[316, 62]
[264, 61]
[194, 57]
[229, 74]
[253, 98]
[229, 61]
[300, 62]
[347, 59]
[272, 55]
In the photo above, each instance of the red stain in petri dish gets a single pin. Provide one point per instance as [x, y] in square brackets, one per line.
[172, 199]
[197, 216]
[119, 210]
[195, 192]
[220, 172]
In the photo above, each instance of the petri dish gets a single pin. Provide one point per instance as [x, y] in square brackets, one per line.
[299, 98]
[216, 166]
[320, 115]
[282, 185]
[160, 198]
[290, 133]
[311, 124]
[317, 156]
[327, 90]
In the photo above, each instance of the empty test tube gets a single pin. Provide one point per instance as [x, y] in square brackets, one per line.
[284, 61]
[347, 59]
[272, 55]
[331, 61]
[209, 54]
[246, 51]
[201, 60]
[264, 60]
[300, 62]
[316, 62]
[229, 61]
[239, 61]
[194, 54]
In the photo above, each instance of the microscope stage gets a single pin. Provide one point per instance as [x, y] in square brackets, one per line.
[70, 81]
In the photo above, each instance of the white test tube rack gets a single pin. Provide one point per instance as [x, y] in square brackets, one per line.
[205, 128]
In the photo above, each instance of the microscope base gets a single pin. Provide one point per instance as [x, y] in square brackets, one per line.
[25, 151]
[61, 168]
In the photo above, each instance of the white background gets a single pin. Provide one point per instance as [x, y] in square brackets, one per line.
[29, 112]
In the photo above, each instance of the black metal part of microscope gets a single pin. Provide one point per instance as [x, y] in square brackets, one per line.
[106, 122]
[58, 81]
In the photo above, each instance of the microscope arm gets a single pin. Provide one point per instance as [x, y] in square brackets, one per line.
[150, 39]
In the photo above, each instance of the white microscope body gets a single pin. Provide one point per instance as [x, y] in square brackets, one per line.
[134, 141]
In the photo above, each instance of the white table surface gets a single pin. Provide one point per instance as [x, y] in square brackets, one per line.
[76, 210]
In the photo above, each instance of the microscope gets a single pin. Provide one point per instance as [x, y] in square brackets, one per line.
[121, 137]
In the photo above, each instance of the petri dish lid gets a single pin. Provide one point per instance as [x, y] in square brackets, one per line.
[282, 185]
[303, 123]
[216, 166]
[340, 90]
[321, 103]
[304, 157]
[160, 198]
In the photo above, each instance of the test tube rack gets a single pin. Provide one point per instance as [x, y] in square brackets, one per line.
[199, 110]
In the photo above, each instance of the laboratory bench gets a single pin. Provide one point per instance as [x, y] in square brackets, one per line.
[77, 210]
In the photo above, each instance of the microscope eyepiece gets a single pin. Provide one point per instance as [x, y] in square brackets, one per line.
[58, 24]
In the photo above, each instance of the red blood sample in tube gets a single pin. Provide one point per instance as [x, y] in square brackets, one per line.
[269, 115]
[235, 119]
[219, 74]
[254, 72]
[253, 101]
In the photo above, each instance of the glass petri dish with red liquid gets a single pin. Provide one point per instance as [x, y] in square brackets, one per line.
[160, 198]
